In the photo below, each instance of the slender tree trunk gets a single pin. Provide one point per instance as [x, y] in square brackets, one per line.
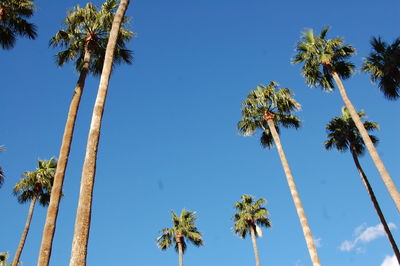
[394, 193]
[24, 233]
[180, 252]
[56, 191]
[254, 241]
[376, 204]
[83, 216]
[296, 198]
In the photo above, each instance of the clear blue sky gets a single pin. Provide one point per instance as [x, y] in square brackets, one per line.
[169, 137]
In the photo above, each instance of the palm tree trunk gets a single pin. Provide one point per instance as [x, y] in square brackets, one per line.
[24, 233]
[83, 216]
[56, 191]
[376, 204]
[254, 241]
[180, 252]
[394, 193]
[296, 198]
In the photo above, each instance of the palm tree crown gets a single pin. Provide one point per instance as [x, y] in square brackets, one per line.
[344, 135]
[383, 64]
[321, 56]
[250, 214]
[264, 102]
[88, 28]
[183, 229]
[13, 15]
[37, 184]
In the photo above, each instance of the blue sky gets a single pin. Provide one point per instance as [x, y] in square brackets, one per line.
[169, 137]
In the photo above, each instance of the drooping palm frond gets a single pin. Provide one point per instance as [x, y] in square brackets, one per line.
[383, 65]
[183, 228]
[13, 23]
[88, 27]
[343, 133]
[320, 56]
[37, 183]
[250, 213]
[268, 100]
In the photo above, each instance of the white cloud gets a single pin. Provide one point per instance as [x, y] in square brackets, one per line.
[390, 261]
[363, 234]
[317, 242]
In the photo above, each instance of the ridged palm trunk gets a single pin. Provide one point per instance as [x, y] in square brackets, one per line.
[56, 192]
[376, 204]
[178, 240]
[254, 241]
[24, 233]
[394, 193]
[83, 216]
[296, 198]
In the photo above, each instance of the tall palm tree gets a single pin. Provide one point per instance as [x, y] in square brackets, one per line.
[84, 38]
[183, 230]
[250, 216]
[383, 64]
[343, 135]
[325, 60]
[1, 170]
[34, 186]
[83, 216]
[267, 109]
[13, 15]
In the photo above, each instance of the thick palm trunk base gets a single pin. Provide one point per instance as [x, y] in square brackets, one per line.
[254, 241]
[296, 198]
[394, 193]
[83, 216]
[24, 233]
[56, 191]
[376, 205]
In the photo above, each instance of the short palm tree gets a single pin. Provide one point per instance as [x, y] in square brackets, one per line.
[383, 64]
[266, 109]
[326, 60]
[3, 258]
[34, 186]
[85, 39]
[13, 15]
[183, 230]
[250, 217]
[343, 135]
[82, 221]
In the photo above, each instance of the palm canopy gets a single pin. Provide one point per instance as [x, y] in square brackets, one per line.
[183, 228]
[343, 133]
[13, 15]
[383, 65]
[89, 28]
[250, 213]
[267, 100]
[321, 56]
[37, 184]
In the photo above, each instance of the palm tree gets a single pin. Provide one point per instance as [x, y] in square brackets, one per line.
[325, 60]
[82, 222]
[1, 170]
[248, 219]
[3, 258]
[183, 230]
[34, 186]
[267, 109]
[343, 135]
[383, 64]
[13, 15]
[84, 38]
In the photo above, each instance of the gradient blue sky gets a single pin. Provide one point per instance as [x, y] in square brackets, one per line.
[169, 137]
